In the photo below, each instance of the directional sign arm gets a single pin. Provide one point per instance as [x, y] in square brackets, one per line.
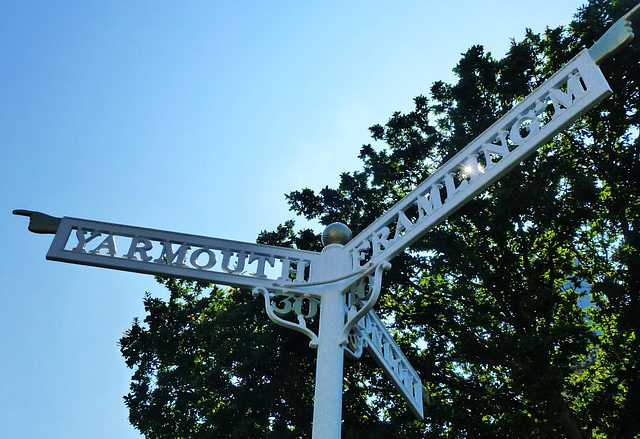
[558, 102]
[159, 252]
[390, 358]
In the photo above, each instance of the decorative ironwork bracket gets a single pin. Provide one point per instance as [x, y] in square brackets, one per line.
[283, 303]
[360, 297]
[355, 345]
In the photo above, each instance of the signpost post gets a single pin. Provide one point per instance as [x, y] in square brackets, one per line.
[343, 282]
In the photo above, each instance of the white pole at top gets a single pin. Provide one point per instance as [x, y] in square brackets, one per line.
[327, 409]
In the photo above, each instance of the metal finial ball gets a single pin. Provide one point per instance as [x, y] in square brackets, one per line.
[336, 233]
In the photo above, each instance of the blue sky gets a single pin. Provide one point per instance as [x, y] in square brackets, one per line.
[194, 117]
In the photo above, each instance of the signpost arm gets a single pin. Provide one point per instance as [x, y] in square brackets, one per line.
[558, 102]
[566, 96]
[165, 253]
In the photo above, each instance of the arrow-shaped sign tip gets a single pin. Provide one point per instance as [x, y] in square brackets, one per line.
[40, 222]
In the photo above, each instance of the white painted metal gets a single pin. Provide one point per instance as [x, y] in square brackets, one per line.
[559, 101]
[282, 304]
[158, 252]
[390, 358]
[327, 407]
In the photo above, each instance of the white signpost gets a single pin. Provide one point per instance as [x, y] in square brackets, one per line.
[341, 284]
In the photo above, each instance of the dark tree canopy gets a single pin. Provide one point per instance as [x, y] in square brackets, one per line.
[521, 312]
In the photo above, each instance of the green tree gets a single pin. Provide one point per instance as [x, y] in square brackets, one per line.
[485, 306]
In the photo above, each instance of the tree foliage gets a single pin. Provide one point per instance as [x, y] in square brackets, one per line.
[486, 306]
